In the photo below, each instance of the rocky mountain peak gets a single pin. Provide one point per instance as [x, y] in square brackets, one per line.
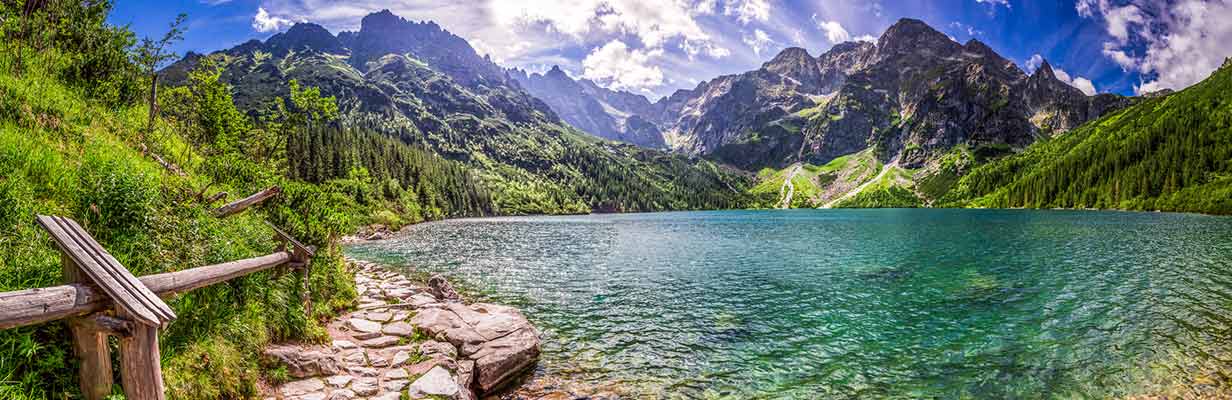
[380, 20]
[303, 36]
[1227, 62]
[912, 36]
[556, 73]
[791, 55]
[1044, 71]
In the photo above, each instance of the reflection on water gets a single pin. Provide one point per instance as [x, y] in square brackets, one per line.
[857, 303]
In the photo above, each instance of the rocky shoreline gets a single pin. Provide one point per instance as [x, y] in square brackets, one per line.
[409, 339]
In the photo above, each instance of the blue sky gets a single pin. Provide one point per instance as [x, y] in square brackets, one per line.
[654, 47]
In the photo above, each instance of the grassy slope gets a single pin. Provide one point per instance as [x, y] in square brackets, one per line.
[1168, 153]
[63, 154]
[813, 181]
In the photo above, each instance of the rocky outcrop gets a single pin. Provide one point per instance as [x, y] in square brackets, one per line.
[405, 341]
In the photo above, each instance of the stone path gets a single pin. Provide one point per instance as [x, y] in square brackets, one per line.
[430, 346]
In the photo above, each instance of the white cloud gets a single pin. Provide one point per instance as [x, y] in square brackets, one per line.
[1033, 63]
[995, 3]
[617, 67]
[1082, 84]
[759, 40]
[705, 7]
[834, 31]
[747, 11]
[654, 23]
[1119, 56]
[1172, 44]
[264, 22]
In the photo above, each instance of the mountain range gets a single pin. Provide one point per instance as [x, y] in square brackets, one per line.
[420, 83]
[912, 95]
[900, 121]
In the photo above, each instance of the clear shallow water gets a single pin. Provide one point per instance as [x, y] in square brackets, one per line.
[855, 303]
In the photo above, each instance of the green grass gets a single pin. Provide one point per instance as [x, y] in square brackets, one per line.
[63, 154]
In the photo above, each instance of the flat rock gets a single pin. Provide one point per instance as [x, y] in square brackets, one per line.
[436, 382]
[363, 325]
[343, 394]
[301, 362]
[400, 329]
[396, 373]
[388, 396]
[344, 344]
[366, 335]
[400, 358]
[309, 396]
[395, 385]
[492, 321]
[379, 316]
[365, 386]
[433, 348]
[356, 358]
[364, 371]
[302, 387]
[421, 300]
[383, 341]
[339, 380]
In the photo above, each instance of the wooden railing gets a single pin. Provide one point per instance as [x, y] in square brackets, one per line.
[101, 298]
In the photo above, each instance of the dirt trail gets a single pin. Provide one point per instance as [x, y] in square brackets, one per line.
[789, 187]
[884, 169]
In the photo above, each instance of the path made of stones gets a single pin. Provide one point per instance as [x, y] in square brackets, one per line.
[432, 348]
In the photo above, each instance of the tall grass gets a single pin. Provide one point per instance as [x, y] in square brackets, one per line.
[64, 154]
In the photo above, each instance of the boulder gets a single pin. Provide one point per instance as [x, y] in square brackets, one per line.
[500, 360]
[442, 290]
[303, 363]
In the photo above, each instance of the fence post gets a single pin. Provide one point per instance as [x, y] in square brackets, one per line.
[89, 344]
[140, 367]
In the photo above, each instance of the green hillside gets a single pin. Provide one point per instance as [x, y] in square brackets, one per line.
[1169, 153]
[75, 141]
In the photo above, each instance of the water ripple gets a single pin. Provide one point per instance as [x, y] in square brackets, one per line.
[856, 304]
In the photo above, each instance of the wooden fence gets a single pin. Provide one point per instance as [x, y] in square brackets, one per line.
[101, 298]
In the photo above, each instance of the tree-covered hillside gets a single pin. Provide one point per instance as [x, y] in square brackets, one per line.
[1169, 153]
[426, 87]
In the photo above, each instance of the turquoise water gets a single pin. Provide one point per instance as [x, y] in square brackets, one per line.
[856, 303]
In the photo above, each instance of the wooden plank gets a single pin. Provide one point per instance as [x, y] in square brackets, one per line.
[169, 284]
[140, 365]
[244, 203]
[138, 289]
[104, 271]
[305, 251]
[34, 306]
[89, 345]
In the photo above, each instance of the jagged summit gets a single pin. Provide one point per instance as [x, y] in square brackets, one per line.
[791, 54]
[305, 35]
[1044, 70]
[556, 72]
